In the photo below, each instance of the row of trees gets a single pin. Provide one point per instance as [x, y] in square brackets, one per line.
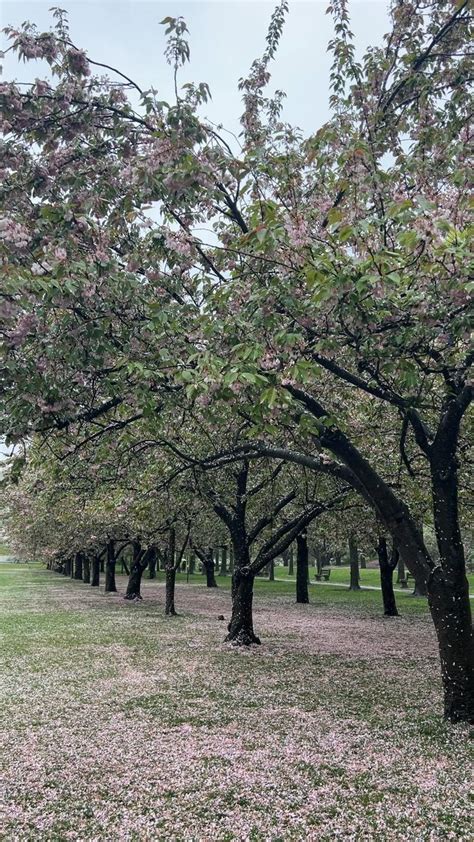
[178, 308]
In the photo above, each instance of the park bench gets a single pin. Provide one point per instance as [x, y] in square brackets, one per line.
[324, 574]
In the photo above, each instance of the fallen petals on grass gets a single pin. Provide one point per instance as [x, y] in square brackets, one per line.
[119, 723]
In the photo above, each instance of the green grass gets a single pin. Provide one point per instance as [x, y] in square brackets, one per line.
[120, 723]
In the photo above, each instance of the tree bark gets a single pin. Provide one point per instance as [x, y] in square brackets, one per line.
[95, 571]
[271, 571]
[448, 599]
[291, 561]
[192, 563]
[447, 585]
[386, 578]
[170, 579]
[78, 566]
[68, 567]
[400, 570]
[110, 586]
[302, 595]
[152, 560]
[86, 569]
[240, 628]
[421, 588]
[354, 562]
[170, 592]
[206, 557]
[223, 570]
[137, 568]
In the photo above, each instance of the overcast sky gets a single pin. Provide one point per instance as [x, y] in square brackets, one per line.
[225, 37]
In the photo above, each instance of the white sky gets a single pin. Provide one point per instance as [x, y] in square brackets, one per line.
[225, 37]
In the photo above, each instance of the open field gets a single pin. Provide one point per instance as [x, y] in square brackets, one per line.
[119, 723]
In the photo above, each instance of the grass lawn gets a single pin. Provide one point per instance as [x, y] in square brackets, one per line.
[121, 724]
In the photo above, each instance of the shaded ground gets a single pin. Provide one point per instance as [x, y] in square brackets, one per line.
[119, 723]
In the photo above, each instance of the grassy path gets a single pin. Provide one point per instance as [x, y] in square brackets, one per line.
[121, 724]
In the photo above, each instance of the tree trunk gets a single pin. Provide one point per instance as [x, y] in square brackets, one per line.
[448, 598]
[386, 579]
[78, 566]
[240, 628]
[170, 591]
[192, 563]
[447, 585]
[354, 562]
[337, 558]
[110, 586]
[285, 556]
[302, 594]
[102, 564]
[68, 567]
[223, 570]
[95, 572]
[271, 571]
[400, 570]
[210, 574]
[137, 568]
[170, 582]
[420, 588]
[152, 560]
[86, 569]
[363, 562]
[291, 561]
[207, 560]
[231, 560]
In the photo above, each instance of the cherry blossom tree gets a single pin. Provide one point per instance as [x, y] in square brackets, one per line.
[330, 304]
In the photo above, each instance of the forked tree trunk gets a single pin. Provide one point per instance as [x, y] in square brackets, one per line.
[110, 586]
[95, 571]
[387, 567]
[78, 566]
[354, 562]
[240, 628]
[86, 569]
[302, 595]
